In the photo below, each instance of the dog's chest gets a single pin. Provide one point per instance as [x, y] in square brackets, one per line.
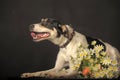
[67, 53]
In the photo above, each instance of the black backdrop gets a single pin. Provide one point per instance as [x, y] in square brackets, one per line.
[98, 18]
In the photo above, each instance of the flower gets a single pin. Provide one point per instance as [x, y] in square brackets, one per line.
[91, 60]
[97, 67]
[110, 68]
[106, 61]
[114, 62]
[110, 75]
[98, 48]
[75, 67]
[97, 75]
[103, 53]
[115, 69]
[94, 63]
[93, 42]
[85, 71]
[81, 55]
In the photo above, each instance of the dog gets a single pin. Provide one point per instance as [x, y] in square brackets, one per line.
[68, 40]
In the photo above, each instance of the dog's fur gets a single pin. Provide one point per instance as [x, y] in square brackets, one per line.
[68, 40]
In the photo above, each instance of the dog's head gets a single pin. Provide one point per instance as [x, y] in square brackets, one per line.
[48, 29]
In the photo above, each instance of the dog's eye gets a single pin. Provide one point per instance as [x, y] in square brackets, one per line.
[55, 24]
[43, 24]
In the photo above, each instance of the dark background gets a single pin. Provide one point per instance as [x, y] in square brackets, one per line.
[19, 54]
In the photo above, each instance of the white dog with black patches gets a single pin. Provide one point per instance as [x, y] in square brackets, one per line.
[68, 40]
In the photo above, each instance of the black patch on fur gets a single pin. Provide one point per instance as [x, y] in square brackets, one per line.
[98, 42]
[52, 23]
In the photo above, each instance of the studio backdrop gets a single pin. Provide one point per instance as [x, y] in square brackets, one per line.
[19, 54]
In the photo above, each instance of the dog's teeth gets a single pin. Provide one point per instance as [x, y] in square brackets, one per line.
[45, 34]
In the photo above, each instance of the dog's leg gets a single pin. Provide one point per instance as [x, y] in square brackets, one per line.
[69, 73]
[47, 73]
[51, 73]
[114, 55]
[113, 52]
[60, 62]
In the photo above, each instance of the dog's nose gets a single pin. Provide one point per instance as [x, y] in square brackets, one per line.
[31, 26]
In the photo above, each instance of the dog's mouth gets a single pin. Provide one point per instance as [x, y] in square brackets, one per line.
[39, 35]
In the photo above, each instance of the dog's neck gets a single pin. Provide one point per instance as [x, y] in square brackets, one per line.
[59, 40]
[62, 41]
[68, 41]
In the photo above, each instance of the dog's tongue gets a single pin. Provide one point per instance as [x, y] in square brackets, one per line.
[34, 36]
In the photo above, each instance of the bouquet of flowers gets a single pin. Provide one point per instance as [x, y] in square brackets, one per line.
[94, 63]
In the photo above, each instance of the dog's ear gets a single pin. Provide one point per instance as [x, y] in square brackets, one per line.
[67, 30]
[64, 29]
[44, 19]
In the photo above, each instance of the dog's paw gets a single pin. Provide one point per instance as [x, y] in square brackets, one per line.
[49, 75]
[26, 75]
[44, 74]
